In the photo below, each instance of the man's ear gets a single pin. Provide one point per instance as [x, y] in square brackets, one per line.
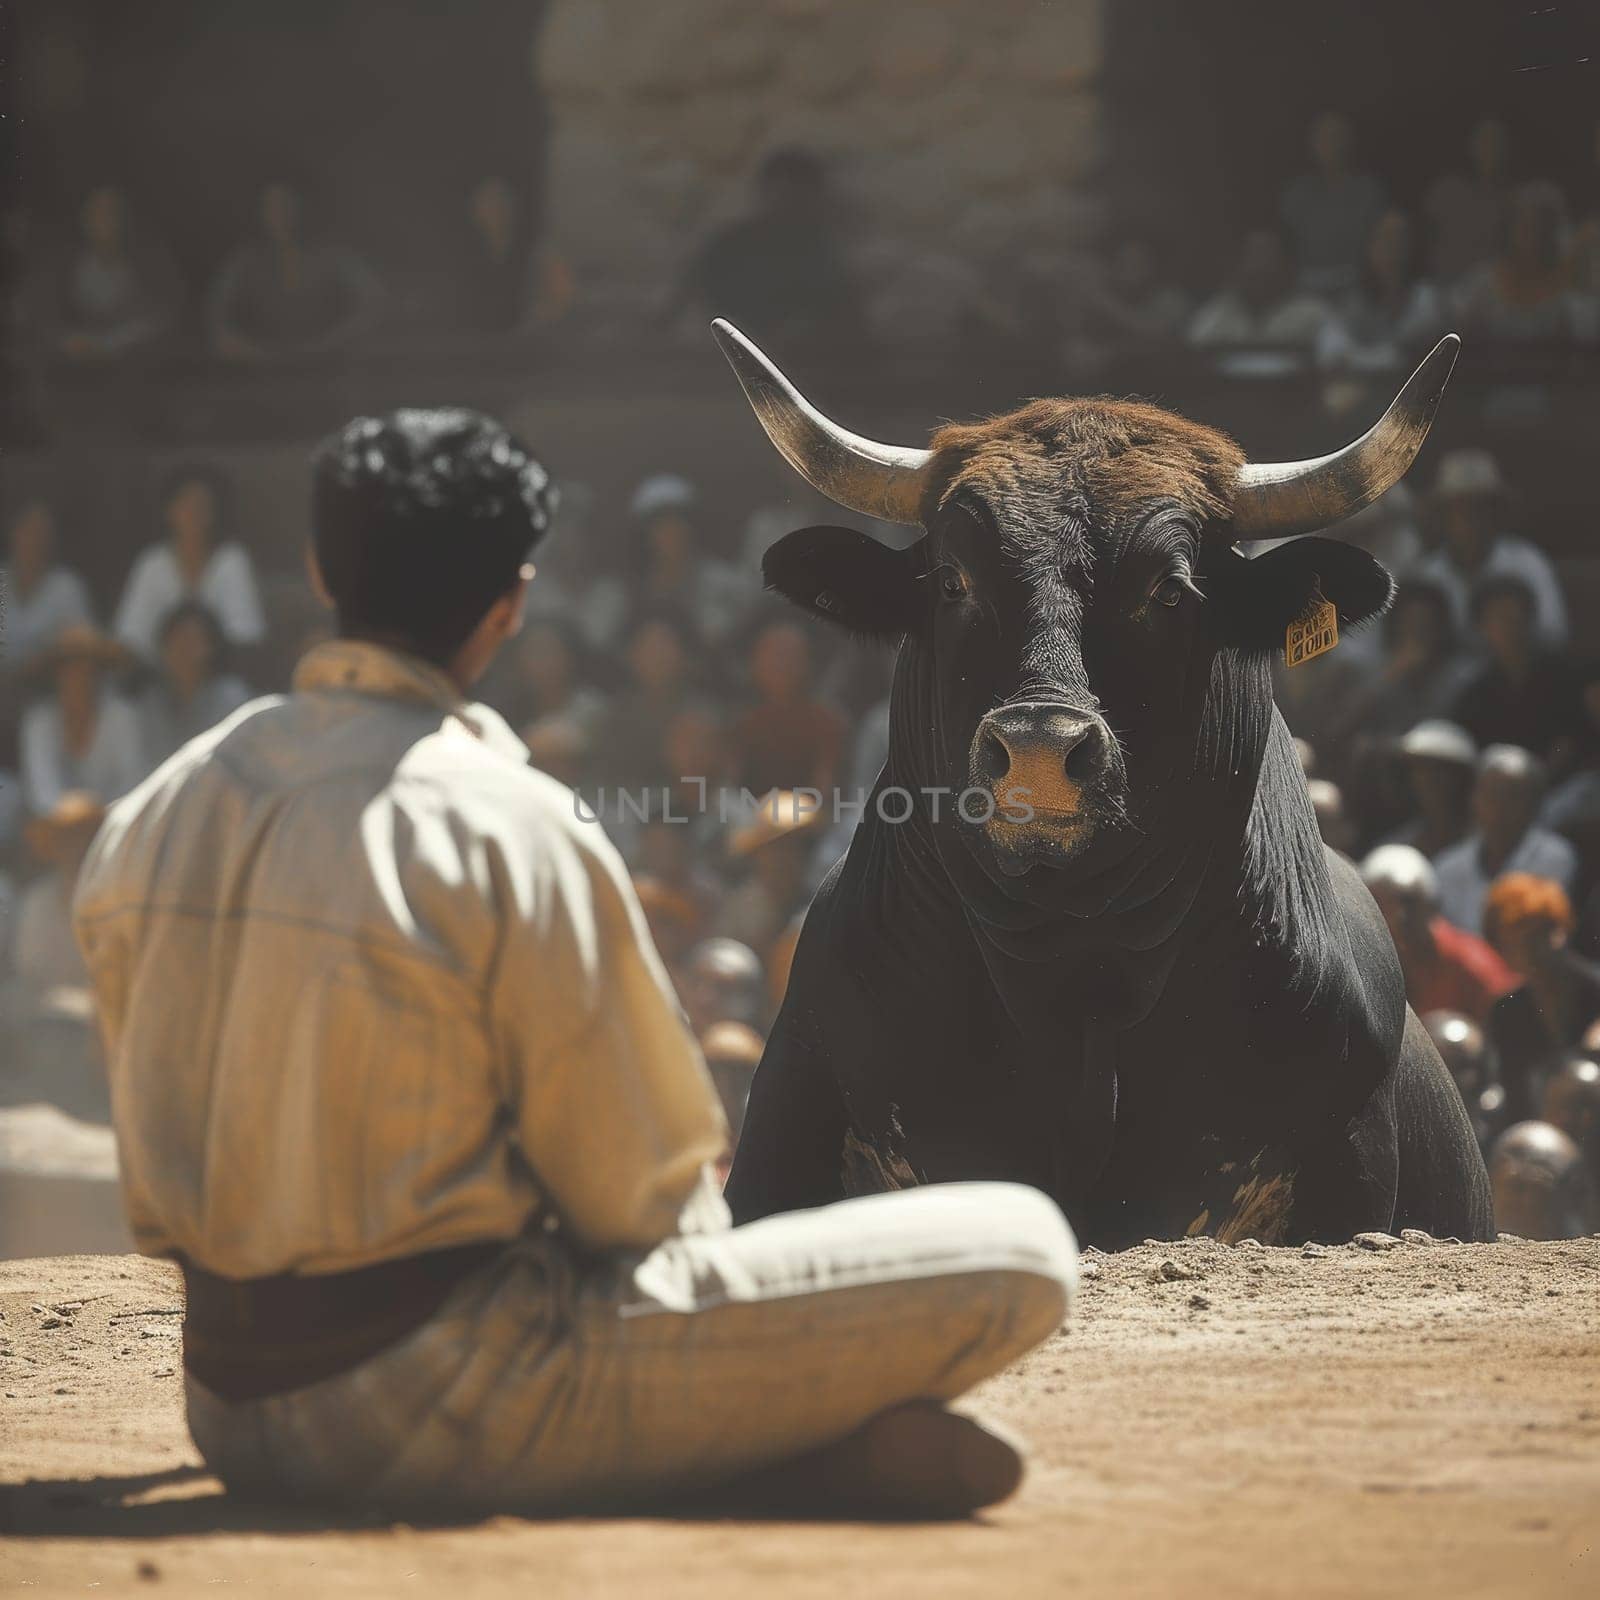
[1258, 597]
[843, 576]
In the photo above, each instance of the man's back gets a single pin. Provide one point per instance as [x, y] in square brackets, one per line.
[388, 926]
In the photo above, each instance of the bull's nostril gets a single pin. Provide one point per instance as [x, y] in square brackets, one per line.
[994, 760]
[1081, 757]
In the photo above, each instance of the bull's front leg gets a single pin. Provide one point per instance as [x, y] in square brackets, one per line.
[790, 1149]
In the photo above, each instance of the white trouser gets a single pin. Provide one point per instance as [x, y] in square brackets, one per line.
[540, 1385]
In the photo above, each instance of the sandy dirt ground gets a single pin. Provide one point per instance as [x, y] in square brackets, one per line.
[1418, 1421]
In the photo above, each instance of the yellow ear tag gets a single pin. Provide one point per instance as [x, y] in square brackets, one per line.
[1312, 635]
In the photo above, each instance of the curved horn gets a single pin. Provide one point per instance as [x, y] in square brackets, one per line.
[1283, 499]
[878, 480]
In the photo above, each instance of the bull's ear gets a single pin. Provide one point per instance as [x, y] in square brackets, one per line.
[1258, 597]
[843, 576]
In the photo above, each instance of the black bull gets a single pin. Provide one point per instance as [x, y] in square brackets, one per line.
[1123, 968]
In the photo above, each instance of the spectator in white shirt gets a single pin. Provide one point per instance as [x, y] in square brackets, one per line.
[1469, 501]
[1505, 837]
[190, 693]
[190, 564]
[41, 596]
[83, 735]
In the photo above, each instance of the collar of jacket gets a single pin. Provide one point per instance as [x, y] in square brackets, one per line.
[353, 666]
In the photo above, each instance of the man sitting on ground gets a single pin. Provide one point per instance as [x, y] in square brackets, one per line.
[399, 1079]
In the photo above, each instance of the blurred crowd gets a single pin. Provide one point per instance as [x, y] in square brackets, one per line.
[1344, 274]
[1349, 277]
[109, 289]
[1453, 750]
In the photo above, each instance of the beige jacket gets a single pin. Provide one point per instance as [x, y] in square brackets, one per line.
[370, 987]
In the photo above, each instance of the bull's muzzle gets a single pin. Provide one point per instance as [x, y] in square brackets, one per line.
[1038, 757]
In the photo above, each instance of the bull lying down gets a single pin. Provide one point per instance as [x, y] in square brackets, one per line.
[1124, 969]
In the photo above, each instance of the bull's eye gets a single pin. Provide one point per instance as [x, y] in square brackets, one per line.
[953, 585]
[1169, 591]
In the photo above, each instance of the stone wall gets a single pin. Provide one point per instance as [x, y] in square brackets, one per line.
[960, 134]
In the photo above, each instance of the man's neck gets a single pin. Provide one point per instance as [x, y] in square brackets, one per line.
[457, 669]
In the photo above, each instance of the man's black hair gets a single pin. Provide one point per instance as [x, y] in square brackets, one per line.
[421, 520]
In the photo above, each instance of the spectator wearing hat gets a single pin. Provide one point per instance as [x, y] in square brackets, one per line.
[1506, 838]
[1529, 921]
[1468, 1057]
[1521, 694]
[1469, 501]
[1441, 763]
[668, 569]
[1572, 1104]
[774, 844]
[42, 596]
[190, 692]
[787, 739]
[723, 981]
[1541, 1190]
[1445, 968]
[83, 735]
[190, 563]
[1333, 816]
